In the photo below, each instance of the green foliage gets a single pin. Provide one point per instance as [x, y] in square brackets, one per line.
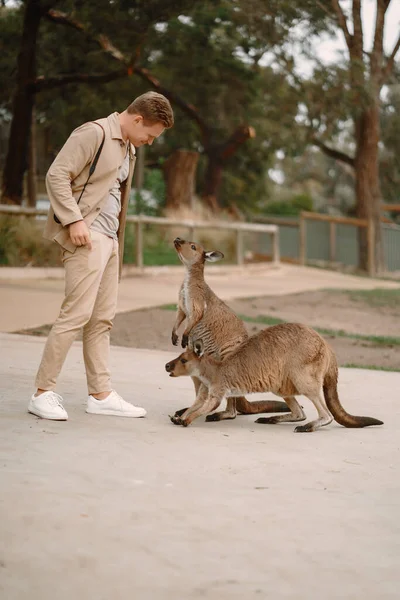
[213, 55]
[390, 149]
[294, 206]
[157, 247]
[151, 199]
[221, 77]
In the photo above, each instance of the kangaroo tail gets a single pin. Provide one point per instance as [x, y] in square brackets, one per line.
[335, 407]
[245, 407]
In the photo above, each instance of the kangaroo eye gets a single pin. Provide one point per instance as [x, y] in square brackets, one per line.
[193, 247]
[183, 361]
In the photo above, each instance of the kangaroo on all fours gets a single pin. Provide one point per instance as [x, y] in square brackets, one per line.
[288, 359]
[208, 318]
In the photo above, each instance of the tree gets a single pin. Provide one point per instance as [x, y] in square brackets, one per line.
[367, 76]
[229, 97]
[131, 20]
[221, 101]
[23, 102]
[390, 135]
[353, 89]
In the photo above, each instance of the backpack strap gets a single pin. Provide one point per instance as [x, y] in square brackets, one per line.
[95, 161]
[92, 167]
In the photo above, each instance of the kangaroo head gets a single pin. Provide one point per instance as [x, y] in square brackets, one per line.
[192, 253]
[187, 362]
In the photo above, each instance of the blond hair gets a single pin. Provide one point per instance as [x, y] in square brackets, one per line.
[154, 108]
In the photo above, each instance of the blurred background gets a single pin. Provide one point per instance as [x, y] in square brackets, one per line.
[280, 107]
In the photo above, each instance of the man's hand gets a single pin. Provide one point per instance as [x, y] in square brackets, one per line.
[80, 234]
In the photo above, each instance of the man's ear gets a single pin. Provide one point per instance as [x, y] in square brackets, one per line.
[198, 348]
[138, 118]
[213, 256]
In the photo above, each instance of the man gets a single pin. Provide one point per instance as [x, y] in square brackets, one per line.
[87, 218]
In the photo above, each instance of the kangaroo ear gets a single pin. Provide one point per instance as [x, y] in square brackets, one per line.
[198, 348]
[213, 256]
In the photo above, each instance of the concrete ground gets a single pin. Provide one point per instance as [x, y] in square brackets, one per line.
[29, 301]
[104, 507]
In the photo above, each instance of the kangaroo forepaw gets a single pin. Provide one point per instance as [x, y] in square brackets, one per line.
[175, 339]
[175, 420]
[185, 340]
[180, 412]
[267, 420]
[178, 421]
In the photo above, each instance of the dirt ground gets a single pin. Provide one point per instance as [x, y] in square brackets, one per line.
[343, 313]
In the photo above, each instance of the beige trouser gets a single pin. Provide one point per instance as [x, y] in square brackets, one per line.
[91, 287]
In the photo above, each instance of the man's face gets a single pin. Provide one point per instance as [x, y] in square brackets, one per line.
[140, 134]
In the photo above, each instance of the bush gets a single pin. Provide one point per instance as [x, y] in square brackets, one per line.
[291, 207]
[22, 243]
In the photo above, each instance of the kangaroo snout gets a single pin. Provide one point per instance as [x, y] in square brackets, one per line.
[178, 242]
[169, 367]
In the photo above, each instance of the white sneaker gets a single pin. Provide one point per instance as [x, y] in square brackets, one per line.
[48, 406]
[114, 405]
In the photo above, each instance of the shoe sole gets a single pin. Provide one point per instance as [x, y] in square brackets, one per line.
[112, 413]
[47, 416]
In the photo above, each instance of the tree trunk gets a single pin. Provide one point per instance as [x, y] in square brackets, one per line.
[368, 194]
[138, 174]
[17, 154]
[180, 175]
[212, 183]
[217, 157]
[32, 170]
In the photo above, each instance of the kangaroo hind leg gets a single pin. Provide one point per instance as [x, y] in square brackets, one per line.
[296, 414]
[244, 407]
[228, 413]
[324, 416]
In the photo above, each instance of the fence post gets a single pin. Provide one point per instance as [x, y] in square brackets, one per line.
[332, 242]
[275, 247]
[139, 243]
[371, 247]
[302, 239]
[239, 246]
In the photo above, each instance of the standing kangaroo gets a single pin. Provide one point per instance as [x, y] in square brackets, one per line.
[208, 318]
[287, 359]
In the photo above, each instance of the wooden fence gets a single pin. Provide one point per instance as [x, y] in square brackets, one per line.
[333, 221]
[140, 220]
[270, 226]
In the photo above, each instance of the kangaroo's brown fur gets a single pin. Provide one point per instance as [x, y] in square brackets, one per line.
[208, 318]
[288, 359]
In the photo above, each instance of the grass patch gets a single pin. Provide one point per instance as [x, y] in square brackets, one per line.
[263, 319]
[377, 297]
[377, 340]
[168, 307]
[370, 367]
[157, 249]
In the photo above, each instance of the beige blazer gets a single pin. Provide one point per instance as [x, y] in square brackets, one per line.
[69, 171]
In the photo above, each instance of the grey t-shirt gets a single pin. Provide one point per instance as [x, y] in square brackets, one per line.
[108, 220]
